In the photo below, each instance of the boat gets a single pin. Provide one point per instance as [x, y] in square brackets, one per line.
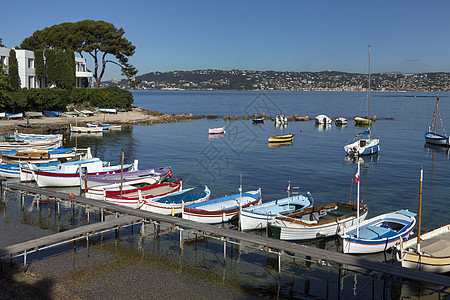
[262, 215]
[280, 119]
[135, 197]
[90, 181]
[429, 251]
[379, 233]
[2, 115]
[14, 116]
[14, 170]
[24, 137]
[219, 130]
[285, 138]
[106, 127]
[107, 110]
[431, 136]
[258, 119]
[51, 113]
[71, 173]
[58, 154]
[220, 210]
[315, 222]
[173, 203]
[322, 119]
[341, 121]
[100, 192]
[364, 145]
[85, 129]
[87, 113]
[33, 114]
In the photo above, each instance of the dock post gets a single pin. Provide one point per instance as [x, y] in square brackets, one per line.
[87, 243]
[101, 215]
[22, 199]
[181, 238]
[57, 204]
[37, 201]
[279, 262]
[224, 250]
[142, 227]
[25, 258]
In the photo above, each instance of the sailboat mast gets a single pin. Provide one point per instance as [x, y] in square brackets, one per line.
[420, 210]
[435, 114]
[368, 105]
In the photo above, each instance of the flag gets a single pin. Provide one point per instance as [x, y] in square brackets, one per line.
[289, 187]
[357, 175]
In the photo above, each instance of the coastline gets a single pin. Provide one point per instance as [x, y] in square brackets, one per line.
[135, 116]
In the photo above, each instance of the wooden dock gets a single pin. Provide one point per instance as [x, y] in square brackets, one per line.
[264, 243]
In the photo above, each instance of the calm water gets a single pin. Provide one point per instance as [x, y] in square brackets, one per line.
[315, 162]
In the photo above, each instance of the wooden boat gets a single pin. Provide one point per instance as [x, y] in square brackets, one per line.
[85, 129]
[281, 138]
[379, 233]
[365, 145]
[341, 121]
[219, 130]
[14, 116]
[46, 144]
[428, 252]
[100, 192]
[431, 136]
[315, 222]
[107, 110]
[262, 215]
[70, 173]
[24, 137]
[135, 197]
[322, 119]
[102, 126]
[222, 209]
[173, 203]
[34, 155]
[90, 181]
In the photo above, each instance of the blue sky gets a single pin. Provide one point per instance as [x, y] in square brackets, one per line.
[405, 36]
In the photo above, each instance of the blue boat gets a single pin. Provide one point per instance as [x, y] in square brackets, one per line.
[260, 216]
[431, 136]
[51, 113]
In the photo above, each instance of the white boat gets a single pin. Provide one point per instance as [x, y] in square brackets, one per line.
[134, 198]
[341, 121]
[85, 129]
[173, 203]
[219, 130]
[280, 119]
[365, 145]
[315, 222]
[322, 119]
[431, 136]
[107, 110]
[70, 173]
[262, 215]
[100, 192]
[222, 209]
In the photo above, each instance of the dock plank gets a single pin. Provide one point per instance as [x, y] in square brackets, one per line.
[270, 243]
[66, 235]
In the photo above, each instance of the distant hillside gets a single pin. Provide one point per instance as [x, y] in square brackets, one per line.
[288, 81]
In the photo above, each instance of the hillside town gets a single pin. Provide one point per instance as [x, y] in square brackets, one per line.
[287, 81]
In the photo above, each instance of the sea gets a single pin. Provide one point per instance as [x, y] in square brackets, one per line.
[141, 264]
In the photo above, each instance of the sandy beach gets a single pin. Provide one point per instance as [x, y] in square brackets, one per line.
[136, 115]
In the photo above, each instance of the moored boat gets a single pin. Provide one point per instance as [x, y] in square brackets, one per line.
[173, 203]
[262, 215]
[219, 130]
[85, 129]
[221, 209]
[431, 136]
[100, 192]
[341, 121]
[322, 119]
[281, 138]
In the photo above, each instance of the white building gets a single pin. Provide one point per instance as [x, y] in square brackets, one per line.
[27, 75]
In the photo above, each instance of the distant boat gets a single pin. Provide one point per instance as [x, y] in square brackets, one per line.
[102, 126]
[107, 110]
[219, 130]
[322, 119]
[364, 145]
[431, 136]
[281, 119]
[14, 116]
[33, 114]
[341, 121]
[83, 129]
[258, 120]
[281, 138]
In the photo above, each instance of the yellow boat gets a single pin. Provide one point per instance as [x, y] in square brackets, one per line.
[281, 138]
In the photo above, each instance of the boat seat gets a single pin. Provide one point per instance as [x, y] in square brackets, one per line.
[374, 232]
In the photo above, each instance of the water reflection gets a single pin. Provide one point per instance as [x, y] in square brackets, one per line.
[322, 127]
[365, 160]
[216, 136]
[434, 149]
[278, 145]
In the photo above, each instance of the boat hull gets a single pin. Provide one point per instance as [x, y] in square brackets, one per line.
[437, 139]
[363, 147]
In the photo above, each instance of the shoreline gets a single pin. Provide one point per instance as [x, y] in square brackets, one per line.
[137, 115]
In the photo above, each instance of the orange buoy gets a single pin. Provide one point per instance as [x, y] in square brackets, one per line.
[72, 195]
[170, 174]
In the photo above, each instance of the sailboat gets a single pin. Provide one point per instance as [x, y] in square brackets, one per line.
[428, 252]
[379, 233]
[435, 138]
[365, 145]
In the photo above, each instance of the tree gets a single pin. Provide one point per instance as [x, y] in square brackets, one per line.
[99, 39]
[13, 71]
[1, 43]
